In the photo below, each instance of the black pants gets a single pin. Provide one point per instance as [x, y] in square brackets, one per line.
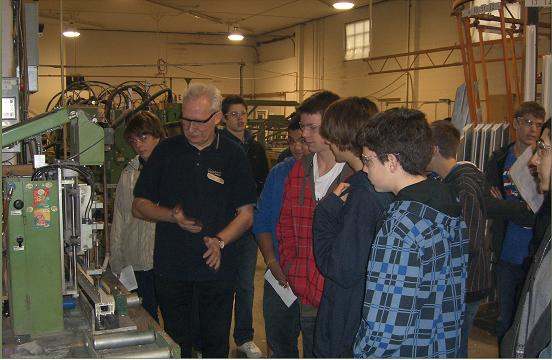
[146, 290]
[214, 307]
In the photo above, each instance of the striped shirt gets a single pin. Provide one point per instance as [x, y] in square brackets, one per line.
[469, 184]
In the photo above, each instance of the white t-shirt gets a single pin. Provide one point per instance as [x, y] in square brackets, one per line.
[322, 183]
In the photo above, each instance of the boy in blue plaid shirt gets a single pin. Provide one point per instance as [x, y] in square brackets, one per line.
[416, 274]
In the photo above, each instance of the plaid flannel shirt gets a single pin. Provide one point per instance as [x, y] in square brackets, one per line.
[415, 287]
[294, 231]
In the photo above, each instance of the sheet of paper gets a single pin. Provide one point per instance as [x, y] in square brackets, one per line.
[525, 182]
[286, 294]
[128, 279]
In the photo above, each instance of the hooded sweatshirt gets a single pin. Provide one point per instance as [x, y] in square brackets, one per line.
[416, 277]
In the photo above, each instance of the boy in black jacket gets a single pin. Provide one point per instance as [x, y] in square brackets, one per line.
[345, 222]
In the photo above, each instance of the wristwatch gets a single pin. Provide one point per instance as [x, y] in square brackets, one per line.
[220, 242]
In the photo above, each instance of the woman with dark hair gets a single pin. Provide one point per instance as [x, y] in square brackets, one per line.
[132, 239]
[529, 336]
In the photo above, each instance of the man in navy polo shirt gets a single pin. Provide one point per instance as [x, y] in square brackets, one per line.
[199, 189]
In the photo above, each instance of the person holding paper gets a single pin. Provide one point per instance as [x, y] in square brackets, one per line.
[281, 321]
[529, 335]
[132, 239]
[510, 240]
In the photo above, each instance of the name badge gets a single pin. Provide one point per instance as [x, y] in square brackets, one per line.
[214, 177]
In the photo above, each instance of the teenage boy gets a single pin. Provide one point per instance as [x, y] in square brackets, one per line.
[308, 182]
[234, 110]
[281, 322]
[469, 183]
[511, 240]
[416, 275]
[344, 226]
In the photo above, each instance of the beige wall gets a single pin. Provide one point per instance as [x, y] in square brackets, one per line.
[431, 26]
[273, 70]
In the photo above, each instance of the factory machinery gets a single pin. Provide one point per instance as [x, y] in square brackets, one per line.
[55, 237]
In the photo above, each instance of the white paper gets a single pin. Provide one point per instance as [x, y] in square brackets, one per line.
[128, 279]
[286, 294]
[525, 182]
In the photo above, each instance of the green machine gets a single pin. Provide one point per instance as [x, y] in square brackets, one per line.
[34, 257]
[40, 220]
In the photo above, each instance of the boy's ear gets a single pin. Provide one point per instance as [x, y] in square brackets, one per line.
[392, 162]
[435, 149]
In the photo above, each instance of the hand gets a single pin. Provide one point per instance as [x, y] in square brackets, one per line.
[212, 255]
[340, 189]
[495, 192]
[278, 273]
[186, 223]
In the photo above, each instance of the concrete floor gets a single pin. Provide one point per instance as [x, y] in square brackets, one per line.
[481, 344]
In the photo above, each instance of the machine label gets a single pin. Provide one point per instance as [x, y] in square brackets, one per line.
[538, 3]
[18, 248]
[42, 217]
[16, 212]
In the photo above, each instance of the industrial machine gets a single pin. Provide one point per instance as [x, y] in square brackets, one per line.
[55, 223]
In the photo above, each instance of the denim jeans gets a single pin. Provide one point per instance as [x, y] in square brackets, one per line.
[214, 308]
[146, 290]
[281, 324]
[510, 279]
[308, 322]
[243, 307]
[469, 317]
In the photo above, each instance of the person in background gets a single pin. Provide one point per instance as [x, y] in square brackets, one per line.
[529, 335]
[470, 185]
[416, 274]
[345, 223]
[308, 182]
[510, 240]
[132, 239]
[199, 189]
[295, 139]
[234, 110]
[281, 322]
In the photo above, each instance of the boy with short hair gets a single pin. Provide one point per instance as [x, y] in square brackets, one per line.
[416, 274]
[344, 226]
[470, 185]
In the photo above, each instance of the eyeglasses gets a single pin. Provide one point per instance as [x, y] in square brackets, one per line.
[310, 127]
[235, 114]
[202, 122]
[367, 160]
[138, 139]
[530, 122]
[542, 148]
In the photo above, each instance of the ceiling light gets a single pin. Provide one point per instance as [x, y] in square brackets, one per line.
[343, 5]
[235, 35]
[71, 32]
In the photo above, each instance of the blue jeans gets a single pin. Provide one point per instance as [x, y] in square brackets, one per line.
[146, 290]
[510, 279]
[471, 311]
[308, 322]
[281, 324]
[243, 307]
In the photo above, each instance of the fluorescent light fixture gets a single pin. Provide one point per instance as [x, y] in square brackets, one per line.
[235, 35]
[343, 5]
[71, 32]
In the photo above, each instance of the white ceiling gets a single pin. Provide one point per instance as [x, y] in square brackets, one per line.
[254, 17]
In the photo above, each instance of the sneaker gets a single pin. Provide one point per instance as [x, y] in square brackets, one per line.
[251, 350]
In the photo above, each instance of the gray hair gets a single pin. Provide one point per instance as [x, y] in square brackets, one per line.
[198, 90]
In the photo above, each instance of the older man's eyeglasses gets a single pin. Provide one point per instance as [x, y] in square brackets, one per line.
[530, 122]
[196, 121]
[542, 148]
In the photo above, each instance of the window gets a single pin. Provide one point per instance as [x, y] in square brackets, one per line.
[357, 40]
